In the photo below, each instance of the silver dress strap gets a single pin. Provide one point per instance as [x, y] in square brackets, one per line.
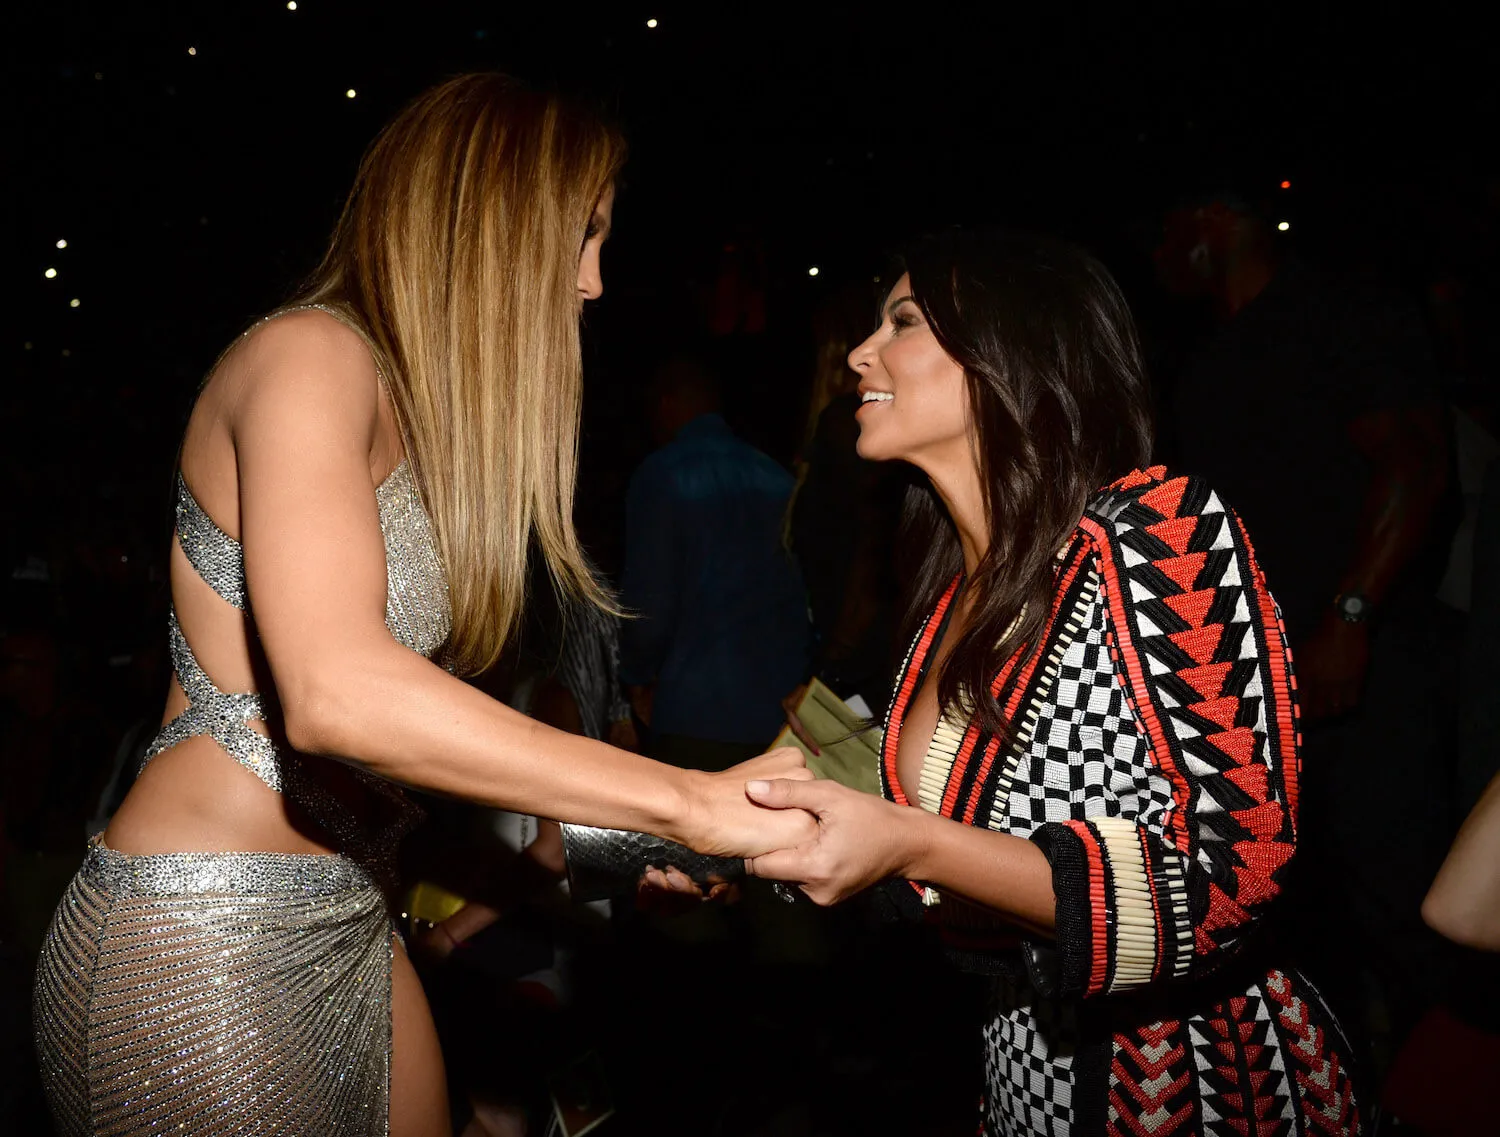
[216, 556]
[224, 717]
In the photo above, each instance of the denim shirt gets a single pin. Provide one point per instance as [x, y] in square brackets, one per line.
[721, 627]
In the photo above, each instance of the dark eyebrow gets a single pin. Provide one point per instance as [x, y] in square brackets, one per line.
[892, 305]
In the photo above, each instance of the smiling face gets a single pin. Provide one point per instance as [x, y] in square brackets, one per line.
[915, 401]
[590, 275]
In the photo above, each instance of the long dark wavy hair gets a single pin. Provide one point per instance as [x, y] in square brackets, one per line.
[1059, 407]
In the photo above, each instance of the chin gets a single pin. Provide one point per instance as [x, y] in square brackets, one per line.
[870, 449]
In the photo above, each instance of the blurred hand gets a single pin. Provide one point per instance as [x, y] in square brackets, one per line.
[1330, 668]
[672, 892]
[860, 839]
[722, 821]
[434, 944]
[622, 736]
[789, 705]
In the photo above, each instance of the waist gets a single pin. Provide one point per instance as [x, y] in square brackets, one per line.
[309, 875]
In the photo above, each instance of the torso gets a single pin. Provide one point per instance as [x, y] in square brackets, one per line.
[921, 718]
[194, 796]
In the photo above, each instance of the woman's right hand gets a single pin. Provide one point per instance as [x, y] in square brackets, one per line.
[722, 821]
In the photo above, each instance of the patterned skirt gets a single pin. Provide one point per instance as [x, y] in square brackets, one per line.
[214, 994]
[1268, 1058]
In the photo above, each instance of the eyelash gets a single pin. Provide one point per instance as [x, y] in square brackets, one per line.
[899, 322]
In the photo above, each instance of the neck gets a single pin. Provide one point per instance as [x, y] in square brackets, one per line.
[963, 497]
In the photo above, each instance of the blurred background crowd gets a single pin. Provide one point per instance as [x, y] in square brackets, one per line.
[1303, 207]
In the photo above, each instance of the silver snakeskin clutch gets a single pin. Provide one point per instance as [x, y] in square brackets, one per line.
[603, 863]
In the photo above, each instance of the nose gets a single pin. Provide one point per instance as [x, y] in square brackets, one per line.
[590, 279]
[863, 356]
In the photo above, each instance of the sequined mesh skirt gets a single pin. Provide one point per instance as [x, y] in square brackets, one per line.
[216, 993]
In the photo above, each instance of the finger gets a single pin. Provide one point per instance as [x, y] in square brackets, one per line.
[785, 793]
[679, 882]
[782, 758]
[783, 864]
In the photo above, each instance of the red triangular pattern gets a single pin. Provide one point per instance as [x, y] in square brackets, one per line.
[1263, 822]
[1199, 643]
[1238, 1124]
[1175, 531]
[1237, 1006]
[1238, 743]
[1254, 888]
[1264, 857]
[1252, 1059]
[1222, 711]
[1166, 498]
[1208, 681]
[1251, 779]
[1226, 1049]
[1184, 569]
[1193, 606]
[1139, 478]
[1222, 912]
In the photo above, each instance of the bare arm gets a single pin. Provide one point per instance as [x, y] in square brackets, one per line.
[864, 839]
[1408, 455]
[1464, 901]
[315, 569]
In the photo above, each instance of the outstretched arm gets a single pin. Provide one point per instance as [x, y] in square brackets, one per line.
[1164, 894]
[1464, 901]
[315, 569]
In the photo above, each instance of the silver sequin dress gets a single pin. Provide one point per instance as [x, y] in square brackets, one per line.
[240, 993]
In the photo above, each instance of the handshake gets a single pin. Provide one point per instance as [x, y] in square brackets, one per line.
[807, 815]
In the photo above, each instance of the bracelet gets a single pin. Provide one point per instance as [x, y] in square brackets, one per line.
[603, 863]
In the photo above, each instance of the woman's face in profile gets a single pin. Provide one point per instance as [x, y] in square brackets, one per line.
[590, 276]
[914, 401]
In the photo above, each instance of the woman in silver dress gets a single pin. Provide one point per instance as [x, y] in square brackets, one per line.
[360, 479]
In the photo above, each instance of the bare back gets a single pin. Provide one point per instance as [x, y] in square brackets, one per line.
[194, 796]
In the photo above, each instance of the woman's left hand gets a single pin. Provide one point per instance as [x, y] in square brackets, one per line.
[671, 892]
[861, 839]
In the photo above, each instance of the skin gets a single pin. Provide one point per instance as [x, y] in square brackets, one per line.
[1464, 901]
[283, 449]
[862, 839]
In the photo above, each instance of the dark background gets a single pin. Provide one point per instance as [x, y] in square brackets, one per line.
[195, 191]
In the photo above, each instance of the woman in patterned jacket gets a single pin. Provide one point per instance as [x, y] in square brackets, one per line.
[1095, 727]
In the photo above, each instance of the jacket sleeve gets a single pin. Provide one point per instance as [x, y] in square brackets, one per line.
[1197, 646]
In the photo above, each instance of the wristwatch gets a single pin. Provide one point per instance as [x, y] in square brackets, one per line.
[1353, 607]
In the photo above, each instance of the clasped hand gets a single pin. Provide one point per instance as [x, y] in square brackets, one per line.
[827, 839]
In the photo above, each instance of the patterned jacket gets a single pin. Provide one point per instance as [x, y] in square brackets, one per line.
[1154, 760]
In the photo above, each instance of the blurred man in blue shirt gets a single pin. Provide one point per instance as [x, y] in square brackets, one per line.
[721, 632]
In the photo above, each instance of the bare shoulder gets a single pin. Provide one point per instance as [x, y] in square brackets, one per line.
[306, 358]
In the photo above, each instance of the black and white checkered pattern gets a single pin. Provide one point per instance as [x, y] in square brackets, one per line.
[1029, 1045]
[1088, 755]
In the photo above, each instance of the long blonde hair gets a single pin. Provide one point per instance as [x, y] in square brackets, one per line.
[457, 258]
